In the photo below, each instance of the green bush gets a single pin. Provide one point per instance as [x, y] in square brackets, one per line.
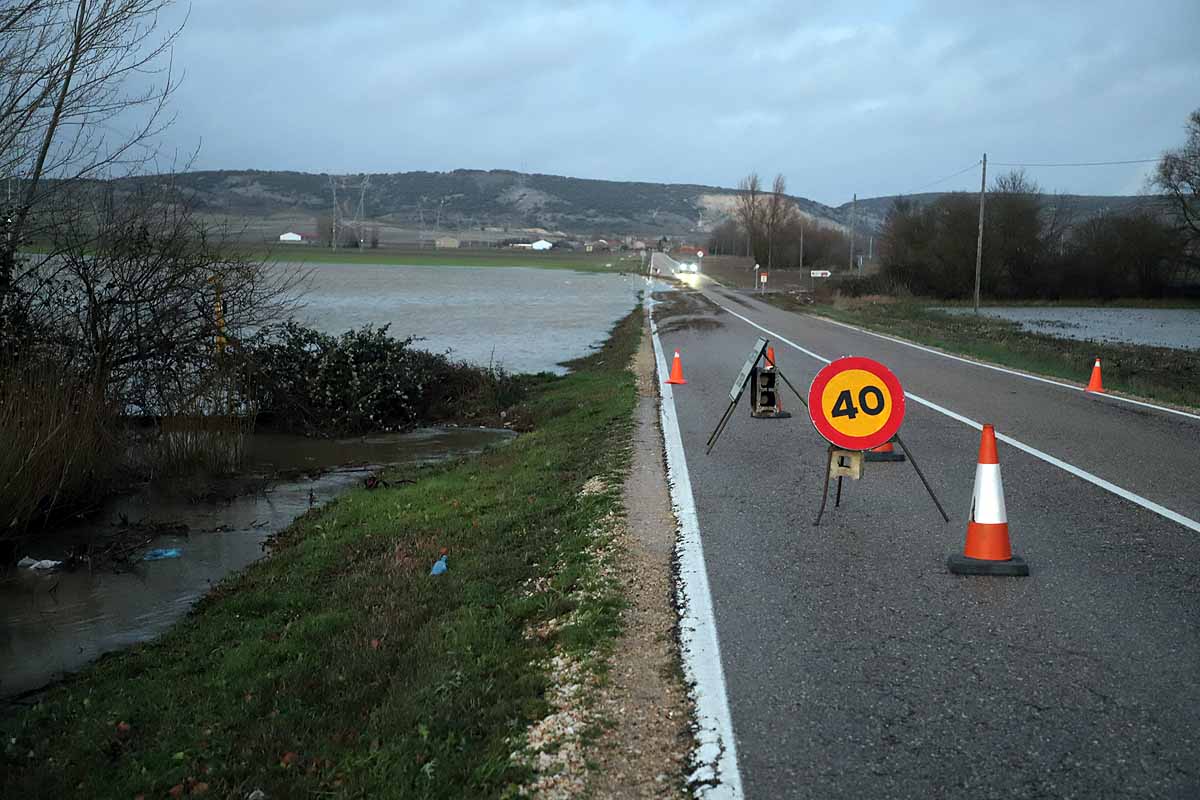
[363, 381]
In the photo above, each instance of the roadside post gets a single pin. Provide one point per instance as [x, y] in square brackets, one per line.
[857, 404]
[813, 274]
[762, 282]
[700, 261]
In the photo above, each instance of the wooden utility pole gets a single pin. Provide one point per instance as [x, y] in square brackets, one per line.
[802, 244]
[979, 241]
[853, 210]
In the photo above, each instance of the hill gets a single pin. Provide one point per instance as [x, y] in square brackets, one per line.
[464, 200]
[505, 201]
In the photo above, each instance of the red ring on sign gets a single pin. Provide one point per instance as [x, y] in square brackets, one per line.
[832, 434]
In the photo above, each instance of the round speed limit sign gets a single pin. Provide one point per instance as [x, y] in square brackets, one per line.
[856, 403]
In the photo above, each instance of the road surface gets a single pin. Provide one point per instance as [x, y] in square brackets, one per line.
[852, 664]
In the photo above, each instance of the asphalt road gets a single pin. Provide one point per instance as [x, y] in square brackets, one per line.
[855, 665]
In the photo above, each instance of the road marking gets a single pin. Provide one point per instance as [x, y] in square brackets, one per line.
[716, 774]
[1137, 499]
[1005, 370]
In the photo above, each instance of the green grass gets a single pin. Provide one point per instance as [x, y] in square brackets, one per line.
[1158, 373]
[342, 651]
[583, 262]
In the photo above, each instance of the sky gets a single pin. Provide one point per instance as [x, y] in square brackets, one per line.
[841, 98]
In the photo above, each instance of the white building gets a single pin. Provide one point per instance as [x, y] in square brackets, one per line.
[291, 236]
[541, 244]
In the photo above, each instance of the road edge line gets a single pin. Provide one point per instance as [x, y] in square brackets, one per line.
[998, 368]
[716, 774]
[1054, 461]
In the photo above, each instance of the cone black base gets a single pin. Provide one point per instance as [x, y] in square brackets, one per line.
[871, 455]
[962, 565]
[772, 415]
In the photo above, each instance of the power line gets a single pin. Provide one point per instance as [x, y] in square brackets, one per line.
[1080, 163]
[943, 180]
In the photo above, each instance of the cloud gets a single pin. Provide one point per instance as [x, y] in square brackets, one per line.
[838, 98]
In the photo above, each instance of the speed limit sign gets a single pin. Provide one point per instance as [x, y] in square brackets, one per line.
[856, 403]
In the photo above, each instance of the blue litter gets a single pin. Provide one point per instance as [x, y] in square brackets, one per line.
[161, 553]
[439, 567]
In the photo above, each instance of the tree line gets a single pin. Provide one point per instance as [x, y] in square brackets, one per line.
[768, 226]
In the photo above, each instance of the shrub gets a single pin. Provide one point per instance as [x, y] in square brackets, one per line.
[59, 441]
[364, 380]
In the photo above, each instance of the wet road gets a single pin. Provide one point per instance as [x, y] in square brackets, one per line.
[855, 665]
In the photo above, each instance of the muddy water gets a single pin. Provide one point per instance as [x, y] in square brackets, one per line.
[1157, 327]
[55, 623]
[528, 320]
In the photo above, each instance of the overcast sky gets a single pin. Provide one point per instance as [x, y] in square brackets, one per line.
[873, 98]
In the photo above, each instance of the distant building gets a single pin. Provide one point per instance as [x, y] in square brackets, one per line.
[521, 246]
[446, 242]
[541, 244]
[598, 246]
[291, 236]
[639, 245]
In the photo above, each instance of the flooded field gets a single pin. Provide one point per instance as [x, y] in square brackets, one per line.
[526, 319]
[55, 622]
[1158, 327]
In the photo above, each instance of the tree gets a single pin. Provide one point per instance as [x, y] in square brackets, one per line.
[325, 229]
[1014, 229]
[374, 237]
[63, 71]
[1178, 177]
[777, 213]
[749, 210]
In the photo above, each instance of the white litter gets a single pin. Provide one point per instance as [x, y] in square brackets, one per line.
[33, 563]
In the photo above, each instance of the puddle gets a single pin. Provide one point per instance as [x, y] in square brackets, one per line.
[1177, 328]
[54, 623]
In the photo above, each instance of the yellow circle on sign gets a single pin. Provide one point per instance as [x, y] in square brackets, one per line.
[856, 402]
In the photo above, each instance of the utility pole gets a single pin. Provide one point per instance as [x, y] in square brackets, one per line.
[853, 211]
[801, 245]
[336, 211]
[979, 241]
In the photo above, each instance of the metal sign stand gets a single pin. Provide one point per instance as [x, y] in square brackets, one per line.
[849, 464]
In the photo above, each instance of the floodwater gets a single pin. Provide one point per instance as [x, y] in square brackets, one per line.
[524, 319]
[53, 623]
[1178, 328]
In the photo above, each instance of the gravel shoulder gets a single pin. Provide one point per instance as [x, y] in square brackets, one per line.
[644, 751]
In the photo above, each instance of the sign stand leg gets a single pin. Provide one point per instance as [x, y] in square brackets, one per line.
[803, 401]
[825, 491]
[712, 440]
[921, 475]
[837, 501]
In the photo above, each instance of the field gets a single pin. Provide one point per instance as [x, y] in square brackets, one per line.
[489, 257]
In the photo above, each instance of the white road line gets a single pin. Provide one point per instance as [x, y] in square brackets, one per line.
[1125, 494]
[716, 773]
[1005, 370]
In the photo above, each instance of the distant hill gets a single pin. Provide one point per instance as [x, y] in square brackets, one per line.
[465, 199]
[473, 199]
[871, 212]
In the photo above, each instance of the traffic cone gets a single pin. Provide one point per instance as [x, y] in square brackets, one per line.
[885, 452]
[1095, 384]
[676, 371]
[987, 551]
[770, 355]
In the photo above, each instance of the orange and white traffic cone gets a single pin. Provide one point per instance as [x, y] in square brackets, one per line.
[1095, 384]
[988, 551]
[676, 371]
[885, 452]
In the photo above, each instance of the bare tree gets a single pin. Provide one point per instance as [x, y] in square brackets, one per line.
[1178, 176]
[65, 67]
[776, 215]
[749, 209]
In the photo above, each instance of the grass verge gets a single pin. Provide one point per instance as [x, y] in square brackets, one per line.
[1157, 373]
[339, 666]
